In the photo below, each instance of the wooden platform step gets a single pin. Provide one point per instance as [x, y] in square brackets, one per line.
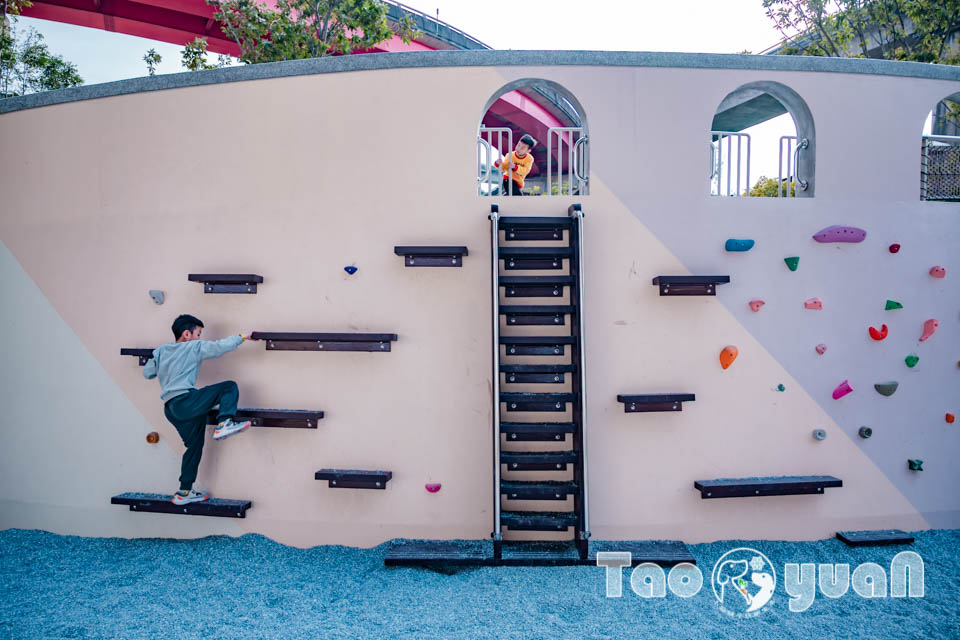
[432, 256]
[655, 402]
[466, 553]
[538, 520]
[531, 315]
[542, 490]
[689, 285]
[535, 258]
[536, 373]
[534, 286]
[284, 418]
[161, 503]
[537, 460]
[537, 401]
[771, 486]
[354, 478]
[536, 431]
[536, 345]
[291, 341]
[874, 537]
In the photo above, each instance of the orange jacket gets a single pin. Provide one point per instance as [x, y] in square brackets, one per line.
[521, 166]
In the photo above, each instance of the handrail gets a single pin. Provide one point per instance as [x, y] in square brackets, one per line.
[953, 139]
[576, 146]
[803, 184]
[575, 211]
[485, 178]
[495, 280]
[713, 161]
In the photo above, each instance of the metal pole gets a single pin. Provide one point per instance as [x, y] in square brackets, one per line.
[577, 213]
[495, 281]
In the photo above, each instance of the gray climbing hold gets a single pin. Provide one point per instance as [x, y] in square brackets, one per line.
[886, 388]
[865, 432]
[819, 434]
[156, 295]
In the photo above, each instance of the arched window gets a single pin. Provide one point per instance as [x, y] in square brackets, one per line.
[763, 143]
[554, 119]
[940, 152]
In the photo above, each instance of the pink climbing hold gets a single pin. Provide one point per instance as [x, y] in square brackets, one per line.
[432, 488]
[938, 272]
[894, 248]
[756, 304]
[821, 348]
[840, 233]
[813, 303]
[928, 328]
[842, 389]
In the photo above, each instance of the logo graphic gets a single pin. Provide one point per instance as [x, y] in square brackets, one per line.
[743, 581]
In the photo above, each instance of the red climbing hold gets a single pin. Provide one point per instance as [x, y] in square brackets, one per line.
[878, 335]
[894, 248]
[950, 418]
[432, 488]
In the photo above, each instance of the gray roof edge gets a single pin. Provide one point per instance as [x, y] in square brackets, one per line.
[481, 58]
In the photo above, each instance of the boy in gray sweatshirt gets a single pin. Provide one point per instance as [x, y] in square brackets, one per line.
[177, 364]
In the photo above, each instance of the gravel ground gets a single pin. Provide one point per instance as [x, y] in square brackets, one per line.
[251, 587]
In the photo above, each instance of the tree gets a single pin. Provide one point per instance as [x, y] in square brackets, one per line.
[194, 56]
[28, 66]
[769, 188]
[152, 58]
[297, 29]
[916, 30]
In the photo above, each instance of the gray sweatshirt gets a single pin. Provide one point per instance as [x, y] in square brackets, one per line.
[178, 363]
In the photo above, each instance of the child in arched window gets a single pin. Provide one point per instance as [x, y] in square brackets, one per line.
[521, 161]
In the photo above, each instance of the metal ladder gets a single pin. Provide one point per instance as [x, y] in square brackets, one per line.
[556, 269]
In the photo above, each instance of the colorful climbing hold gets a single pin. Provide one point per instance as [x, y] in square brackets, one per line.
[938, 272]
[153, 437]
[821, 348]
[780, 387]
[891, 305]
[865, 432]
[928, 328]
[732, 244]
[842, 389]
[728, 355]
[432, 488]
[840, 233]
[755, 305]
[879, 334]
[819, 434]
[813, 303]
[886, 388]
[350, 269]
[915, 465]
[912, 360]
[894, 248]
[792, 262]
[950, 418]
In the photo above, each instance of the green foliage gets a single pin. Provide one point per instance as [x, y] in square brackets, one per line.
[28, 66]
[768, 188]
[297, 29]
[916, 30]
[152, 58]
[194, 57]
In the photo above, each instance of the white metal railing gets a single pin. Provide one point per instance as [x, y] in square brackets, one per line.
[495, 387]
[488, 176]
[576, 213]
[732, 163]
[567, 144]
[940, 168]
[789, 158]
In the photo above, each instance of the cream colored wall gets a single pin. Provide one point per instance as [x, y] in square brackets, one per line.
[106, 199]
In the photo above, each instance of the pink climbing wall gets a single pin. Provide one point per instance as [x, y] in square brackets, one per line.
[129, 215]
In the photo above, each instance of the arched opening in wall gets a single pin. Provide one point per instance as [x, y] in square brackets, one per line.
[763, 143]
[940, 152]
[547, 114]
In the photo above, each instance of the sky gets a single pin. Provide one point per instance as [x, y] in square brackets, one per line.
[705, 26]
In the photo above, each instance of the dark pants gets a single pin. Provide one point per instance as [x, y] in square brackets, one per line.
[188, 413]
[505, 188]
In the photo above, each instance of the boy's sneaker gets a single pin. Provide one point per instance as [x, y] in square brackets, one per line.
[228, 427]
[191, 496]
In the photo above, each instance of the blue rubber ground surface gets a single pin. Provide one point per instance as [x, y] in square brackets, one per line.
[250, 587]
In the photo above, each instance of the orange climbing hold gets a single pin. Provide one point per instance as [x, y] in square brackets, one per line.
[878, 335]
[950, 418]
[728, 355]
[153, 437]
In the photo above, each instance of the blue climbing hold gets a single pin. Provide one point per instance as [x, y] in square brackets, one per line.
[350, 269]
[738, 245]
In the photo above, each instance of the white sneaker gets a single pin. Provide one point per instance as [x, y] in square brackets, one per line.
[228, 427]
[192, 496]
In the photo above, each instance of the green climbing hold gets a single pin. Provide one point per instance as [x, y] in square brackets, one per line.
[780, 387]
[792, 262]
[915, 465]
[886, 388]
[891, 305]
[912, 360]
